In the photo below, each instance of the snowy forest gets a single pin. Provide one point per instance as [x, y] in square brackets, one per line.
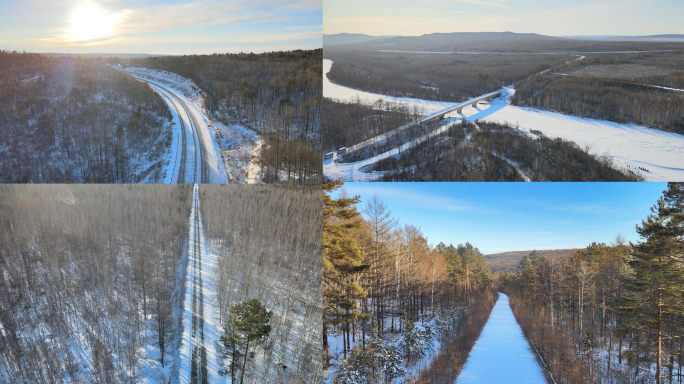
[610, 313]
[71, 119]
[399, 310]
[276, 94]
[396, 309]
[93, 280]
[623, 88]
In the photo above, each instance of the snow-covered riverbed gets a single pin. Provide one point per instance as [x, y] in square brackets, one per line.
[501, 354]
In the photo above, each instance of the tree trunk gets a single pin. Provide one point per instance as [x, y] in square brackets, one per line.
[244, 362]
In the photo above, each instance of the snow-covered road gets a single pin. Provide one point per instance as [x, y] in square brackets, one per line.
[195, 154]
[199, 359]
[501, 354]
[654, 154]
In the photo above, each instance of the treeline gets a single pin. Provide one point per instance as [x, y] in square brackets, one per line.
[654, 68]
[277, 94]
[346, 124]
[388, 296]
[72, 119]
[611, 313]
[440, 77]
[261, 254]
[494, 152]
[87, 281]
[603, 99]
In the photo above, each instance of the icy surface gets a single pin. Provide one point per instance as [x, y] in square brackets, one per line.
[348, 95]
[501, 354]
[654, 154]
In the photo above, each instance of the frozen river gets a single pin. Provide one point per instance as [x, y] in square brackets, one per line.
[654, 154]
[501, 354]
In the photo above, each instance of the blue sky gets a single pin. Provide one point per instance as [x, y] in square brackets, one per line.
[499, 217]
[161, 27]
[547, 17]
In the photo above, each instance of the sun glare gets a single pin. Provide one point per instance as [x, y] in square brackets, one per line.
[91, 22]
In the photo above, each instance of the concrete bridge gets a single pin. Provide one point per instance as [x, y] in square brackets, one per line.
[433, 117]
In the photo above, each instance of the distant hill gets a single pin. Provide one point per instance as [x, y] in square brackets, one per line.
[104, 55]
[670, 37]
[499, 42]
[507, 261]
[349, 38]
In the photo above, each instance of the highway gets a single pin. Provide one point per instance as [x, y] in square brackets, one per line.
[193, 166]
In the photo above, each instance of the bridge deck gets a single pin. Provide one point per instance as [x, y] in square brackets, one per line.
[440, 114]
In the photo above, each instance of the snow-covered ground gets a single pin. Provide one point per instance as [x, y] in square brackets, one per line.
[230, 149]
[201, 326]
[629, 146]
[501, 354]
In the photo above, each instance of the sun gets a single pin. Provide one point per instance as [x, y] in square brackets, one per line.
[91, 22]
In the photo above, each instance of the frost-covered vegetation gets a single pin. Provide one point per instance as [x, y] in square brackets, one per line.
[88, 281]
[619, 88]
[395, 308]
[351, 123]
[269, 247]
[71, 119]
[611, 313]
[93, 280]
[497, 152]
[276, 94]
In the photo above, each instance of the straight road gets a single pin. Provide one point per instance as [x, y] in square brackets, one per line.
[198, 365]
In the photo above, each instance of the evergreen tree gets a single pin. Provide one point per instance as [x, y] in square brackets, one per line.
[343, 262]
[655, 302]
[251, 323]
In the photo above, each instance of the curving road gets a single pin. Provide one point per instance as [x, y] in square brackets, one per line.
[193, 167]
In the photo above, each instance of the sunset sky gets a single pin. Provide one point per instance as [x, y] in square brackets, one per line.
[546, 17]
[160, 27]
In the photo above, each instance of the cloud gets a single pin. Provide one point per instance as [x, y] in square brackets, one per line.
[127, 22]
[194, 15]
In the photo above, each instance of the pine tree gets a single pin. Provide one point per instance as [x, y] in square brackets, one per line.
[655, 302]
[251, 323]
[343, 262]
